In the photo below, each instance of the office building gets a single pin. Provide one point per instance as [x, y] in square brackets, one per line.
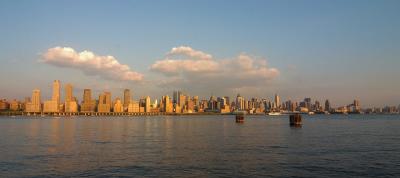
[133, 107]
[127, 98]
[118, 106]
[35, 104]
[147, 104]
[327, 106]
[70, 103]
[53, 105]
[88, 105]
[104, 105]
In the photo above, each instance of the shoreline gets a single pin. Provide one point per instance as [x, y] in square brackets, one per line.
[126, 114]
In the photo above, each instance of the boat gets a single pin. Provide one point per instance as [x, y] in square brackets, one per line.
[274, 114]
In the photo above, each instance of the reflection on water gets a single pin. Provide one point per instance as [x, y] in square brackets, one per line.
[365, 146]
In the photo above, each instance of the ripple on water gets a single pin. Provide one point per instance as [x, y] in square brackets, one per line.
[200, 146]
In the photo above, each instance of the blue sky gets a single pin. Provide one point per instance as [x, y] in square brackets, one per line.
[337, 50]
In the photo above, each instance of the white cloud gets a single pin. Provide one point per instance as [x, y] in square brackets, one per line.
[204, 72]
[106, 67]
[188, 51]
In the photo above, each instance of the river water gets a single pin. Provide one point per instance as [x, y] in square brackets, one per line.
[200, 146]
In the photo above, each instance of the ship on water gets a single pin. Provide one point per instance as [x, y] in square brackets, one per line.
[274, 113]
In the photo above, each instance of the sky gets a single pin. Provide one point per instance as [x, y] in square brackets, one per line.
[338, 50]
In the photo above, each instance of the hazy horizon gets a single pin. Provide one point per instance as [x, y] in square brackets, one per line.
[336, 50]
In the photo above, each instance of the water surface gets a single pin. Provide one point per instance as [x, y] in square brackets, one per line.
[200, 146]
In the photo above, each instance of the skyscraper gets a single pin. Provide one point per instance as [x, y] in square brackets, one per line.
[327, 106]
[277, 101]
[357, 107]
[118, 107]
[167, 105]
[127, 98]
[175, 96]
[35, 105]
[53, 105]
[104, 105]
[239, 102]
[147, 106]
[133, 106]
[212, 103]
[56, 92]
[317, 106]
[70, 104]
[87, 95]
[181, 100]
[307, 103]
[88, 105]
[68, 93]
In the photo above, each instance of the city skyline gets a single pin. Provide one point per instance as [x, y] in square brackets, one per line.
[255, 48]
[179, 102]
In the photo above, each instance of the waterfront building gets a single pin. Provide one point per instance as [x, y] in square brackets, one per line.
[181, 100]
[133, 107]
[212, 104]
[227, 98]
[289, 105]
[56, 92]
[303, 109]
[224, 106]
[203, 105]
[141, 109]
[127, 98]
[307, 103]
[26, 101]
[70, 103]
[147, 104]
[277, 102]
[155, 104]
[68, 92]
[71, 107]
[341, 109]
[50, 106]
[4, 105]
[35, 104]
[389, 110]
[190, 106]
[175, 97]
[240, 102]
[104, 105]
[53, 105]
[317, 106]
[118, 106]
[168, 106]
[357, 106]
[88, 105]
[15, 105]
[327, 106]
[177, 108]
[196, 100]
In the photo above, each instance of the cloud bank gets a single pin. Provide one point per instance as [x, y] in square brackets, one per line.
[184, 67]
[106, 67]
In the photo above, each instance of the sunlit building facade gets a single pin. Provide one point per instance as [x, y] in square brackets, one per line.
[35, 104]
